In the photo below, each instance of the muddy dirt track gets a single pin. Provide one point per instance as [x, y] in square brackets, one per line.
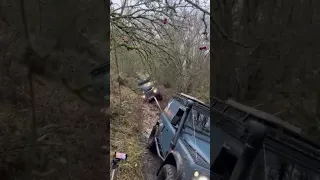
[150, 114]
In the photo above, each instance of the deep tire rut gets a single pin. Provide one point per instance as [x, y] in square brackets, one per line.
[151, 162]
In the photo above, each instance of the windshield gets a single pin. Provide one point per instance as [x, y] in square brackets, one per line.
[271, 166]
[144, 81]
[200, 121]
[148, 84]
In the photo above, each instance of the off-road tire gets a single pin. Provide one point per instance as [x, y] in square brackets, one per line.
[167, 172]
[151, 144]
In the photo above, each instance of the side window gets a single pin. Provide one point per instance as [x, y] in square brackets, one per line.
[176, 119]
[173, 111]
[170, 110]
[199, 121]
[168, 105]
[206, 124]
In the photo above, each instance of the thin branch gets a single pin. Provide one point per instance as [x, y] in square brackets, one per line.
[40, 15]
[118, 70]
[220, 30]
[33, 126]
[123, 7]
[225, 36]
[198, 7]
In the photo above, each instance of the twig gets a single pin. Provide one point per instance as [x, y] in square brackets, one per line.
[277, 113]
[33, 124]
[198, 7]
[118, 71]
[30, 76]
[43, 174]
[261, 104]
[123, 7]
[205, 26]
[40, 15]
[54, 129]
[223, 34]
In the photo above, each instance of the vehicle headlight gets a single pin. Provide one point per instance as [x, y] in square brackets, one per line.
[155, 90]
[197, 176]
[203, 178]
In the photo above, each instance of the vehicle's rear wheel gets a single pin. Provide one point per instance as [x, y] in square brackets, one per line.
[151, 145]
[167, 172]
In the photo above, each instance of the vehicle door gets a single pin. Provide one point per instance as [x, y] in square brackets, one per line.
[196, 133]
[173, 112]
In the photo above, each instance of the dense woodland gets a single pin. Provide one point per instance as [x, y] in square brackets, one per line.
[166, 40]
[51, 127]
[265, 54]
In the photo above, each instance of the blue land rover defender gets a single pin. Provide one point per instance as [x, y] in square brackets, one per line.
[181, 138]
[247, 144]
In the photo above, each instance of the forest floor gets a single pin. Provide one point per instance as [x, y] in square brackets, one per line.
[71, 135]
[151, 162]
[130, 130]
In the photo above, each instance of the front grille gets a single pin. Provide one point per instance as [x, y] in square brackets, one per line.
[148, 89]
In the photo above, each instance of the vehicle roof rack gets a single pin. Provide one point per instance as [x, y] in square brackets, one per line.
[269, 118]
[193, 99]
[294, 133]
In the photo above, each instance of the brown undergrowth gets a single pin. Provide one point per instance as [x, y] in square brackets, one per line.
[72, 136]
[125, 130]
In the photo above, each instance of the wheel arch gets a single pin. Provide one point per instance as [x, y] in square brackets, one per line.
[174, 158]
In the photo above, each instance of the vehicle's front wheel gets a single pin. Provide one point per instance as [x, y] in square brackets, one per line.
[159, 97]
[167, 172]
[151, 145]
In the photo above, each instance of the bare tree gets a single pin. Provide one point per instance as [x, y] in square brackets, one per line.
[268, 57]
[166, 37]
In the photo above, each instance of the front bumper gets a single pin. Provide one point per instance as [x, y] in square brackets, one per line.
[147, 98]
[191, 176]
[150, 96]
